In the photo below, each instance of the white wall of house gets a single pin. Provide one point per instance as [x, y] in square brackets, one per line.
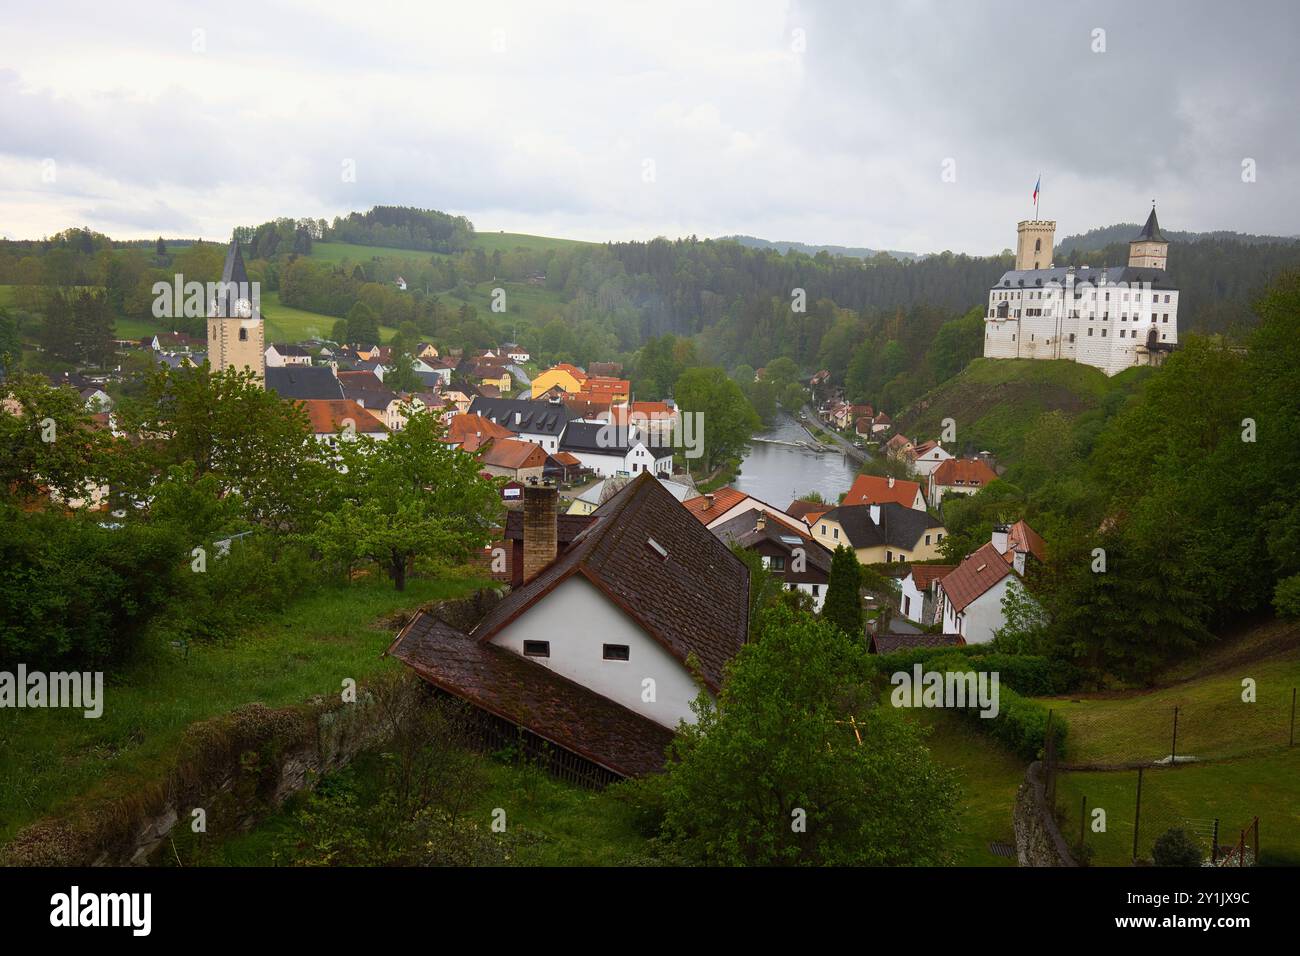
[979, 619]
[912, 603]
[578, 620]
[815, 591]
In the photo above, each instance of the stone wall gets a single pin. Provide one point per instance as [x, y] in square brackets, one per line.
[237, 768]
[1038, 838]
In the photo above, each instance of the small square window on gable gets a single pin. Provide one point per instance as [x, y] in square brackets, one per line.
[537, 648]
[617, 652]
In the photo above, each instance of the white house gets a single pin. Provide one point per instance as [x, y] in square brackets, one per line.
[605, 615]
[971, 595]
[278, 356]
[928, 456]
[610, 449]
[919, 592]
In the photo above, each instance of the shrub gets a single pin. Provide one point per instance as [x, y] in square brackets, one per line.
[1176, 847]
[1021, 725]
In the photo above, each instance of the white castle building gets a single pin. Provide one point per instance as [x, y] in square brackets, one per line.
[1111, 318]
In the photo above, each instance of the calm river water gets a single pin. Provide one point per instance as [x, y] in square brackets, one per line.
[778, 474]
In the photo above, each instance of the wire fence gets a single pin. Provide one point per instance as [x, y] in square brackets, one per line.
[1116, 818]
[1132, 733]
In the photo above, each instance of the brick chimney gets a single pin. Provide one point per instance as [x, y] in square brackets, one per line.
[540, 538]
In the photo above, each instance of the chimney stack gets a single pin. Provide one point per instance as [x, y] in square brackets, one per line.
[761, 523]
[540, 537]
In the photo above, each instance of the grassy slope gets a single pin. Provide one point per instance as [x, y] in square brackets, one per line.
[1213, 720]
[988, 777]
[49, 756]
[995, 401]
[561, 825]
[1234, 791]
[287, 324]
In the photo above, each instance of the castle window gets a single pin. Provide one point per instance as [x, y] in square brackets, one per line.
[1103, 333]
[1166, 317]
[1038, 247]
[1090, 331]
[243, 335]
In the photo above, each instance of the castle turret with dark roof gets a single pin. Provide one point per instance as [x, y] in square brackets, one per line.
[1150, 250]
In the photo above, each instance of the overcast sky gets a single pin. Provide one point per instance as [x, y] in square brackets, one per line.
[811, 121]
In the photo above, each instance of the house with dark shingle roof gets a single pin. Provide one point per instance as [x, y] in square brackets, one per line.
[791, 556]
[600, 650]
[302, 382]
[881, 533]
[608, 448]
[542, 423]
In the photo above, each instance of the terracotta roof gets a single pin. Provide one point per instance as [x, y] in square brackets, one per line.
[800, 508]
[874, 489]
[530, 695]
[471, 431]
[888, 643]
[964, 471]
[1021, 537]
[512, 453]
[564, 458]
[694, 601]
[328, 414]
[923, 575]
[981, 569]
[715, 503]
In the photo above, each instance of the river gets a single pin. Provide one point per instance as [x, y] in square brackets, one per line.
[777, 474]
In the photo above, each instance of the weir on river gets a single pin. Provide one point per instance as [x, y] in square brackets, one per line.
[781, 465]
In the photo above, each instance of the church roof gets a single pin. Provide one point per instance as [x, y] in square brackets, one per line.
[234, 281]
[1151, 231]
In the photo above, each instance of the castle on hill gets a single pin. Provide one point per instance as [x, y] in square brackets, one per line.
[1111, 318]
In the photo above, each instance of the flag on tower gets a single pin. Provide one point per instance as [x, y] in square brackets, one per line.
[1036, 185]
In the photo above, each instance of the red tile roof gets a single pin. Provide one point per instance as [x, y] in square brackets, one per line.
[694, 601]
[923, 575]
[523, 692]
[1021, 537]
[329, 414]
[512, 453]
[982, 569]
[874, 490]
[471, 431]
[714, 504]
[968, 472]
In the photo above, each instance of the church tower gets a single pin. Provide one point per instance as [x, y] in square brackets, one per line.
[1035, 240]
[1150, 250]
[236, 337]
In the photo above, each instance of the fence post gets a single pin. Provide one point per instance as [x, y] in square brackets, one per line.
[1083, 816]
[1256, 825]
[1049, 762]
[1137, 816]
[1214, 844]
[1173, 747]
[1241, 849]
[1291, 741]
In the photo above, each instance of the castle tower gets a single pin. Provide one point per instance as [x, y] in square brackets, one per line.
[1150, 250]
[236, 336]
[1034, 243]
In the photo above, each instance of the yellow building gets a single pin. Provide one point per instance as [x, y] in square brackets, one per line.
[883, 533]
[567, 377]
